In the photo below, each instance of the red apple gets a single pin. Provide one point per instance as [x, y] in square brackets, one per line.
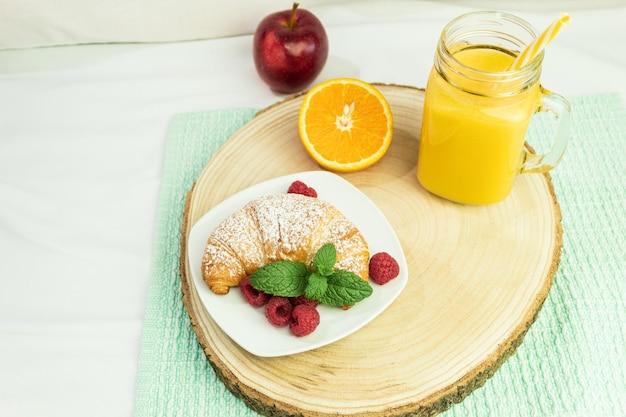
[290, 49]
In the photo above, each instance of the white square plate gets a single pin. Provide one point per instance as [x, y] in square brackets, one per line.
[246, 325]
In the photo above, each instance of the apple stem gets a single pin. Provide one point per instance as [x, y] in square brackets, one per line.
[292, 19]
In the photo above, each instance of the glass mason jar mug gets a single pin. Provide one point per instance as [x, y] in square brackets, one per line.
[477, 111]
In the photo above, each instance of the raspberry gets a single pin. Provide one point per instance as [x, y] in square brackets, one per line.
[253, 296]
[278, 311]
[305, 320]
[301, 299]
[383, 268]
[298, 187]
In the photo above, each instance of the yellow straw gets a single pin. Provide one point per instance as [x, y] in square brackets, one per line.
[535, 47]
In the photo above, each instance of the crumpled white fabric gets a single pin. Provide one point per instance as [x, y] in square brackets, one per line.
[36, 23]
[33, 23]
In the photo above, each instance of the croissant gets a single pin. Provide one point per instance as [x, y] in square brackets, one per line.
[280, 227]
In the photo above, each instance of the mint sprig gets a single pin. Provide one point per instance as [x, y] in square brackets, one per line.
[324, 283]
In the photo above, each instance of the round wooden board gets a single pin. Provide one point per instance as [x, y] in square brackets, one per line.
[478, 276]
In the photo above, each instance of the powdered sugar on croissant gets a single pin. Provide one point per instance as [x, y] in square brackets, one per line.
[280, 227]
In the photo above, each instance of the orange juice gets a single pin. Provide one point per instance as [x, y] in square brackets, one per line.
[471, 144]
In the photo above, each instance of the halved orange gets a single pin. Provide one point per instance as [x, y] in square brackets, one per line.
[345, 124]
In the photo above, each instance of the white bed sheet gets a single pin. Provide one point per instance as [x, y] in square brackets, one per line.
[82, 135]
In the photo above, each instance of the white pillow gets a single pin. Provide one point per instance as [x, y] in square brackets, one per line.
[32, 23]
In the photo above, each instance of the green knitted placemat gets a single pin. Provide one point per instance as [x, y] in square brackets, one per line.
[572, 362]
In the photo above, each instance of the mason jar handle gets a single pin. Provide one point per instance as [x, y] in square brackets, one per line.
[560, 108]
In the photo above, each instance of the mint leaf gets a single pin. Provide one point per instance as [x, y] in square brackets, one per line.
[345, 288]
[324, 260]
[282, 278]
[316, 287]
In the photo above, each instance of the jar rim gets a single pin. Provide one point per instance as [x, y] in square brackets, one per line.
[487, 29]
[483, 16]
